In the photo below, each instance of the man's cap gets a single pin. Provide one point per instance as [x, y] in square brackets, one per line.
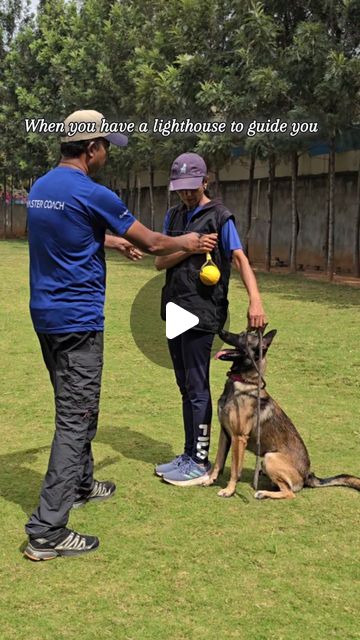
[86, 116]
[187, 172]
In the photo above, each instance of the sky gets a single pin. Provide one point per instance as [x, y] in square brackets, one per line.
[33, 5]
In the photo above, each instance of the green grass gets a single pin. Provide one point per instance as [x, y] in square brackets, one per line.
[182, 563]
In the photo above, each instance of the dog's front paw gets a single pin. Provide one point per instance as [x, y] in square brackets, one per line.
[209, 481]
[226, 493]
[260, 495]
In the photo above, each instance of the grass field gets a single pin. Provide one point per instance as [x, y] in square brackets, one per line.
[182, 563]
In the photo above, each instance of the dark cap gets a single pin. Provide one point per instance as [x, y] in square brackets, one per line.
[187, 172]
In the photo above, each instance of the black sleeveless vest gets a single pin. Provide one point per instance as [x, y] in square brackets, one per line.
[183, 285]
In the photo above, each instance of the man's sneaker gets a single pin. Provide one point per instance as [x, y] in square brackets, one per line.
[100, 491]
[66, 543]
[162, 469]
[188, 474]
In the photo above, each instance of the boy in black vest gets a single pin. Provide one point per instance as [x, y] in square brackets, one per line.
[191, 351]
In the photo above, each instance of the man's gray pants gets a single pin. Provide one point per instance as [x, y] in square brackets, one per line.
[74, 362]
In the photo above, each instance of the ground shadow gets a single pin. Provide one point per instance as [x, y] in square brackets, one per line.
[21, 485]
[135, 445]
[18, 483]
[247, 477]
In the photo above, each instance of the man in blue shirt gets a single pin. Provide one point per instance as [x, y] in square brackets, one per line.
[68, 215]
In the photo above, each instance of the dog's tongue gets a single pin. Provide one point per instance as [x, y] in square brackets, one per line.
[223, 352]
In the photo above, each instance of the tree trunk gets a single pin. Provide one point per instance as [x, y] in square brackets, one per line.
[127, 190]
[26, 219]
[151, 196]
[5, 204]
[11, 204]
[270, 196]
[326, 234]
[249, 201]
[330, 243]
[133, 194]
[217, 182]
[138, 205]
[294, 212]
[357, 230]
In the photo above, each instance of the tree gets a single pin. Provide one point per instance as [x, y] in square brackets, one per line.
[11, 15]
[337, 95]
[357, 229]
[266, 90]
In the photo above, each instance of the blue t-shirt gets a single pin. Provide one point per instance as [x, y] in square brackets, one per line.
[229, 236]
[68, 215]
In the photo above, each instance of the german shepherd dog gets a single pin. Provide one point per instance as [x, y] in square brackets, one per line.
[285, 458]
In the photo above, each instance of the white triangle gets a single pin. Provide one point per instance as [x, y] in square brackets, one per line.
[178, 320]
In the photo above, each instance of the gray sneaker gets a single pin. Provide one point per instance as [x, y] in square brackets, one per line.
[100, 491]
[162, 469]
[66, 543]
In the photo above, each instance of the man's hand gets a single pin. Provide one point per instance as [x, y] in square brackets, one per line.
[196, 243]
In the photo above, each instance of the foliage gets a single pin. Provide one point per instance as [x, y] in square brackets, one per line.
[139, 60]
[136, 60]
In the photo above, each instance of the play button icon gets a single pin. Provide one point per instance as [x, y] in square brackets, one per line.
[147, 327]
[178, 320]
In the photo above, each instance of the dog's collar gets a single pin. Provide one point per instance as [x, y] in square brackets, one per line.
[237, 377]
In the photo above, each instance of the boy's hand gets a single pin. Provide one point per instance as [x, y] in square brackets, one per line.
[256, 315]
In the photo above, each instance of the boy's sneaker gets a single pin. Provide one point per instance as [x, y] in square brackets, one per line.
[188, 474]
[162, 469]
[65, 543]
[100, 491]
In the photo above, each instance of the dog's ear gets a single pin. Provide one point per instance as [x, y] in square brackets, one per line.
[233, 339]
[268, 338]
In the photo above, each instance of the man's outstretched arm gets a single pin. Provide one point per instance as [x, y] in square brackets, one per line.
[160, 245]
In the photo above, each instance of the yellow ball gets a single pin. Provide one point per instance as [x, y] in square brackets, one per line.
[210, 274]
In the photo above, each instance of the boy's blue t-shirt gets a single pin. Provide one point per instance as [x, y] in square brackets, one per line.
[229, 237]
[68, 215]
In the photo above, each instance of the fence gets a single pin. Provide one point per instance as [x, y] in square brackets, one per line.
[12, 220]
[312, 205]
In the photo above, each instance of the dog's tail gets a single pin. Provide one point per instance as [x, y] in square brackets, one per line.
[342, 480]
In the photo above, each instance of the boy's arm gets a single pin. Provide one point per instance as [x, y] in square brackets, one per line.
[256, 314]
[122, 245]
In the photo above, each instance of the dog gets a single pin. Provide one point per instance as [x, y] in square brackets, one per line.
[285, 457]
